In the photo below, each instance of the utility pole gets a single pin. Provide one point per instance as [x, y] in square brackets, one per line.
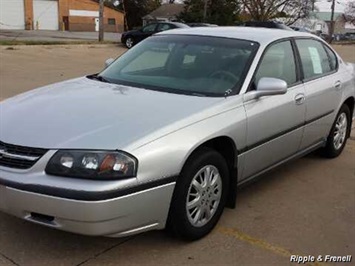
[205, 11]
[101, 20]
[331, 30]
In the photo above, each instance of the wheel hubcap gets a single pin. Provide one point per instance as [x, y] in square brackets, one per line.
[204, 196]
[341, 126]
[129, 42]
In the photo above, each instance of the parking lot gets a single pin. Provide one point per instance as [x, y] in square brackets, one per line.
[304, 208]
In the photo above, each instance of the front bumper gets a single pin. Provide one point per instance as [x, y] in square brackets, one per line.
[123, 39]
[130, 214]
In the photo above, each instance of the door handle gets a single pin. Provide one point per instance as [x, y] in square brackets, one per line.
[337, 85]
[300, 98]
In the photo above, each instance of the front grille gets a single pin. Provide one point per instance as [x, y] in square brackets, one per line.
[19, 157]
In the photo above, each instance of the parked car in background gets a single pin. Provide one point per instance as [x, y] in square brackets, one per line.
[165, 134]
[301, 29]
[199, 24]
[267, 24]
[350, 36]
[339, 37]
[131, 38]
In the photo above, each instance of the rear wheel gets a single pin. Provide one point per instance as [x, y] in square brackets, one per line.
[339, 133]
[200, 195]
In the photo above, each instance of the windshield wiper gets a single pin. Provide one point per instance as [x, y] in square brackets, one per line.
[198, 94]
[99, 78]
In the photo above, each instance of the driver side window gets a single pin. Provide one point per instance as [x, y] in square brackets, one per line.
[278, 62]
[149, 28]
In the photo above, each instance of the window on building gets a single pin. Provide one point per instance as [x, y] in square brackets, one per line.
[111, 21]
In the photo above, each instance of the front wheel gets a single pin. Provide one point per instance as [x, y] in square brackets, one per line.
[200, 195]
[339, 133]
[129, 42]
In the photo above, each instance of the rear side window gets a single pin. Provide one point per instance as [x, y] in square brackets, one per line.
[332, 58]
[162, 27]
[314, 58]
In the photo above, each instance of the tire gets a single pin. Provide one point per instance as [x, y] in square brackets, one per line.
[192, 223]
[129, 42]
[339, 134]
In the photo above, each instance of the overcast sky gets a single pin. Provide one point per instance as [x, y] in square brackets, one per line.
[325, 6]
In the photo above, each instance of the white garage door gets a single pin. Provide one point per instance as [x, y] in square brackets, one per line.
[45, 13]
[12, 14]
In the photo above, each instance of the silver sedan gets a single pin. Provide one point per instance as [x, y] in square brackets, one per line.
[165, 134]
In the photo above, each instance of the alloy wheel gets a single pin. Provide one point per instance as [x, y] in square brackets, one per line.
[129, 43]
[340, 131]
[204, 196]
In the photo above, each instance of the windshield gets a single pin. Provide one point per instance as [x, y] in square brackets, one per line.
[197, 65]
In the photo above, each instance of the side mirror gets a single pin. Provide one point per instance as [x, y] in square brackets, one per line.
[109, 62]
[267, 87]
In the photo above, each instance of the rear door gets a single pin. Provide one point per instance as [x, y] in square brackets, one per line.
[275, 123]
[323, 89]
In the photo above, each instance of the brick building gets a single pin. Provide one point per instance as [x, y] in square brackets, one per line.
[72, 15]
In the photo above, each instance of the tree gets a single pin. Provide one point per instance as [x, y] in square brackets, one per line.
[220, 12]
[350, 12]
[289, 10]
[135, 10]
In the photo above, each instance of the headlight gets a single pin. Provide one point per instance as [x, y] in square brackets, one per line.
[98, 165]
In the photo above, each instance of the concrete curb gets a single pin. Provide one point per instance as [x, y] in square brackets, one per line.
[89, 45]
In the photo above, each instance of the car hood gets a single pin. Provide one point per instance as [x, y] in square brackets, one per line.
[88, 114]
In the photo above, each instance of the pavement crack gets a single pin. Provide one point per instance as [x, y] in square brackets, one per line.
[9, 259]
[103, 251]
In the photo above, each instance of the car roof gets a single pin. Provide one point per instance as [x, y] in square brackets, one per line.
[260, 35]
[267, 24]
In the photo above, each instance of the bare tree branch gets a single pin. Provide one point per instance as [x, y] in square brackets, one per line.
[290, 10]
[350, 12]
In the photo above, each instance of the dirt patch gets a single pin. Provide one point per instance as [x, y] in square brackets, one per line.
[347, 52]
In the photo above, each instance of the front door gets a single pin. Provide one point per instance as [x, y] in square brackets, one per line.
[274, 123]
[66, 22]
